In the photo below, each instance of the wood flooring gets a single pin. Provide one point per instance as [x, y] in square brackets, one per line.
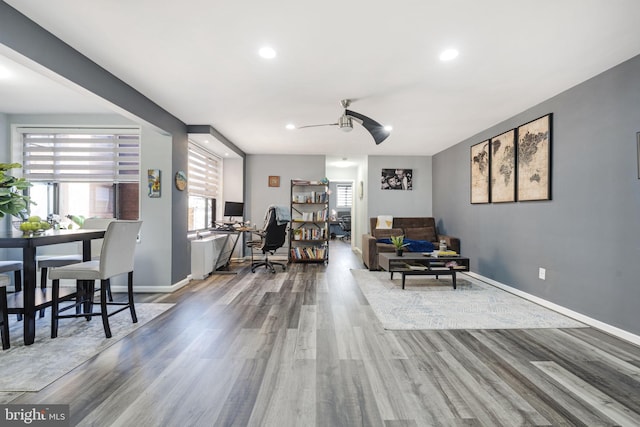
[303, 348]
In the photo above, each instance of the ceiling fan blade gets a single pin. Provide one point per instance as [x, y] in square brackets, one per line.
[315, 126]
[377, 131]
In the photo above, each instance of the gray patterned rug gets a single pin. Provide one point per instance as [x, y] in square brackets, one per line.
[429, 303]
[31, 368]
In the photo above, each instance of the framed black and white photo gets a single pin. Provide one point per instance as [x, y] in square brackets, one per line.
[396, 179]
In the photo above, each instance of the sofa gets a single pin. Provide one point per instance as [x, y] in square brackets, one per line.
[419, 228]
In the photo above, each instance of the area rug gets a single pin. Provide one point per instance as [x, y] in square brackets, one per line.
[33, 367]
[429, 303]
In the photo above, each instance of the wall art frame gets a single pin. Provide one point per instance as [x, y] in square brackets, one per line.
[396, 179]
[480, 173]
[154, 183]
[534, 159]
[274, 181]
[503, 167]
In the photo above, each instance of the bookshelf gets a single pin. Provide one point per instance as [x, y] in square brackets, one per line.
[309, 231]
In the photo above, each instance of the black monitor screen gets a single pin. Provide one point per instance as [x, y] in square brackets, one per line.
[234, 209]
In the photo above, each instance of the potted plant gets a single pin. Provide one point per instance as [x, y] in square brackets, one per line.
[398, 243]
[12, 201]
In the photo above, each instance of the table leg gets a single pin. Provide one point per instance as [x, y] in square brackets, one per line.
[403, 276]
[453, 275]
[392, 275]
[29, 293]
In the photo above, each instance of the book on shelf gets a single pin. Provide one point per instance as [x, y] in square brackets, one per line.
[417, 267]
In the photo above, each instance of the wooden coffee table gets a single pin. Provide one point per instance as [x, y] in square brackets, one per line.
[419, 264]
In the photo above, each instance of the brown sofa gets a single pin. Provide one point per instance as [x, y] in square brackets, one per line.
[420, 228]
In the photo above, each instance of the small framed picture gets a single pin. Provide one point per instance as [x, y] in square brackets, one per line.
[153, 176]
[274, 181]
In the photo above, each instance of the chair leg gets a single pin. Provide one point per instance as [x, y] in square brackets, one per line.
[109, 295]
[103, 307]
[17, 286]
[132, 306]
[55, 294]
[89, 289]
[6, 342]
[43, 284]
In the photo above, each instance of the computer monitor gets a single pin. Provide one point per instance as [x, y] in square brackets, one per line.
[232, 209]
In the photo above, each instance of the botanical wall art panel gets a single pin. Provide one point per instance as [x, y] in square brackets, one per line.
[534, 160]
[503, 167]
[480, 172]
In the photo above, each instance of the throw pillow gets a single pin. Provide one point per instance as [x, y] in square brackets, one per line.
[421, 233]
[384, 222]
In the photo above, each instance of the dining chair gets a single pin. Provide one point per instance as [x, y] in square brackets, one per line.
[116, 258]
[16, 267]
[45, 264]
[4, 314]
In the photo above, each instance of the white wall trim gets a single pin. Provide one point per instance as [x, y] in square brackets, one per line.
[154, 289]
[620, 333]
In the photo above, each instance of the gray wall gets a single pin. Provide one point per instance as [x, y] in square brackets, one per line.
[25, 37]
[587, 237]
[416, 202]
[260, 195]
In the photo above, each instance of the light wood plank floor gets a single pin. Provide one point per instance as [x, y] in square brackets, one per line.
[304, 349]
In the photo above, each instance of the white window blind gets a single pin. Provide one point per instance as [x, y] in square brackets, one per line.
[204, 172]
[81, 155]
[344, 195]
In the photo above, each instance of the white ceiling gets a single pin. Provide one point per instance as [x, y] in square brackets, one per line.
[198, 60]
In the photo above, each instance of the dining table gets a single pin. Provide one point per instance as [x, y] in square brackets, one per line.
[31, 299]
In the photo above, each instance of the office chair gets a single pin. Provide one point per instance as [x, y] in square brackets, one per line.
[345, 224]
[272, 237]
[117, 258]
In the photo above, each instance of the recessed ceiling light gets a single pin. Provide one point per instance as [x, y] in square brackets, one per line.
[267, 52]
[290, 126]
[448, 55]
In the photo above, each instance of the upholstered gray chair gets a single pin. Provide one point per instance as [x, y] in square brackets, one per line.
[61, 260]
[16, 268]
[4, 312]
[116, 258]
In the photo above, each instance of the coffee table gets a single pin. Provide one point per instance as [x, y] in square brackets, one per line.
[421, 264]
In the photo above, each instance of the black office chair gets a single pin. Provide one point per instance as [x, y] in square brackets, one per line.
[345, 224]
[272, 237]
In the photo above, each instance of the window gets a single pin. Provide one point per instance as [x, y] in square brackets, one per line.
[344, 195]
[204, 187]
[88, 172]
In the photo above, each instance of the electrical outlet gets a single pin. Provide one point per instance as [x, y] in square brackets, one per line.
[542, 273]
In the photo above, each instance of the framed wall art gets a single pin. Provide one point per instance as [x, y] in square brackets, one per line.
[153, 177]
[274, 181]
[534, 160]
[396, 179]
[480, 172]
[503, 167]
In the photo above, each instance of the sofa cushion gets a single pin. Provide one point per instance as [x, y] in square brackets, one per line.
[381, 233]
[421, 233]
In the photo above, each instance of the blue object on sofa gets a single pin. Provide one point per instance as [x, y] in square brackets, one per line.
[414, 245]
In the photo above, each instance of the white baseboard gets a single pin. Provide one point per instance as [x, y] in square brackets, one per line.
[620, 333]
[154, 289]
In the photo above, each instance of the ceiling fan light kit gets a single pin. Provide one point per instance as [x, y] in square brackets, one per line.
[345, 123]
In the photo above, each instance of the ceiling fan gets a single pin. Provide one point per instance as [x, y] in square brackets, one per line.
[345, 122]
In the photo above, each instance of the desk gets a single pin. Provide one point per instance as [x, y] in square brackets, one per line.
[30, 304]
